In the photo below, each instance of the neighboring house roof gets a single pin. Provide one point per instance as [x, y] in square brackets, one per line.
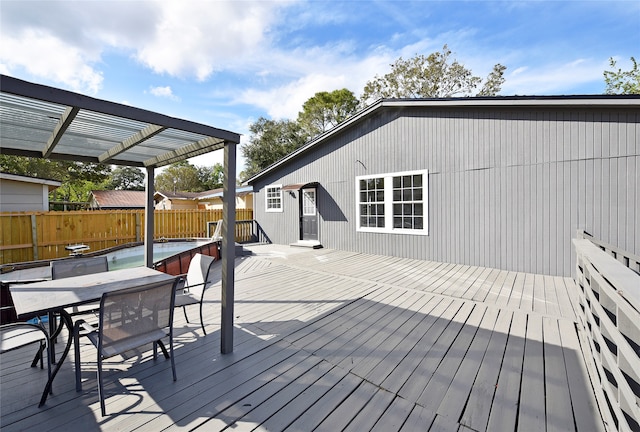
[213, 193]
[501, 102]
[178, 195]
[217, 193]
[106, 199]
[52, 184]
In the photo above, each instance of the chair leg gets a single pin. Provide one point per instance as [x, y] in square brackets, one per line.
[184, 310]
[164, 349]
[38, 357]
[100, 387]
[76, 353]
[48, 367]
[173, 362]
[201, 320]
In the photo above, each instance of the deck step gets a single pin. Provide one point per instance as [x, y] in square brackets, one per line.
[311, 244]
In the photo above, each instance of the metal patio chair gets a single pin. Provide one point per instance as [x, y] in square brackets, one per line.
[199, 277]
[217, 233]
[129, 319]
[22, 334]
[79, 267]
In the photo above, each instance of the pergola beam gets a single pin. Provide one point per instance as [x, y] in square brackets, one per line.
[135, 139]
[65, 120]
[203, 146]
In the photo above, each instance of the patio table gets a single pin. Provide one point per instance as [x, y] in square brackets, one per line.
[56, 295]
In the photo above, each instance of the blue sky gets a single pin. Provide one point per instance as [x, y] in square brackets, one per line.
[228, 63]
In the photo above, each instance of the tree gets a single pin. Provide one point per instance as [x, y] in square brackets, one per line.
[270, 141]
[622, 82]
[180, 176]
[126, 178]
[494, 81]
[435, 76]
[211, 177]
[325, 110]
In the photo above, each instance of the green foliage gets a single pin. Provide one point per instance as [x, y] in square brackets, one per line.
[179, 177]
[494, 81]
[211, 177]
[270, 141]
[126, 178]
[622, 82]
[325, 110]
[77, 178]
[434, 76]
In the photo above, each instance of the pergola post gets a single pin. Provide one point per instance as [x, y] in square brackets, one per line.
[228, 247]
[148, 218]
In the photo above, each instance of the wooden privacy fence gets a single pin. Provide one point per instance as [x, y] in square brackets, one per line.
[28, 236]
[610, 317]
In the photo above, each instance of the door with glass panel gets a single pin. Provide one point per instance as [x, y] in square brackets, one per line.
[308, 214]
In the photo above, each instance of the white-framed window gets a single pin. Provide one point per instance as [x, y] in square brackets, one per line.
[273, 199]
[393, 203]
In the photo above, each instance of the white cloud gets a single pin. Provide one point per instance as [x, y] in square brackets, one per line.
[314, 70]
[62, 42]
[205, 36]
[555, 78]
[44, 55]
[164, 92]
[518, 71]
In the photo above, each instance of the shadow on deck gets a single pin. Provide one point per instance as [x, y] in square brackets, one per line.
[323, 344]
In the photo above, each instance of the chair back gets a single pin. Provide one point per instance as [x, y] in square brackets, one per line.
[199, 275]
[17, 335]
[78, 267]
[217, 234]
[133, 317]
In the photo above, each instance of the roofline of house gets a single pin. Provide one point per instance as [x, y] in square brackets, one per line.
[27, 179]
[622, 101]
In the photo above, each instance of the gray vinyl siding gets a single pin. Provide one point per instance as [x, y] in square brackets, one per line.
[507, 188]
[21, 196]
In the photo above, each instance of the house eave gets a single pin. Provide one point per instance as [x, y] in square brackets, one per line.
[575, 101]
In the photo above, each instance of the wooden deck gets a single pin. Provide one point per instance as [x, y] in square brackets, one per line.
[330, 340]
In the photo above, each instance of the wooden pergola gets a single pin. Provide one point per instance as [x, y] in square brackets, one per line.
[46, 122]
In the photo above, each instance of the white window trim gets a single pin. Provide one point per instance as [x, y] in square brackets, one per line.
[388, 203]
[266, 199]
[305, 209]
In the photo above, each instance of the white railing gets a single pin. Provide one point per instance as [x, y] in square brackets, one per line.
[628, 259]
[610, 315]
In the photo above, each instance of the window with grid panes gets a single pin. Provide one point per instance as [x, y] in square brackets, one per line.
[274, 198]
[408, 207]
[393, 203]
[372, 203]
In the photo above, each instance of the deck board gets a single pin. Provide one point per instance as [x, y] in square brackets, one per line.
[342, 341]
[475, 413]
[505, 402]
[461, 382]
[412, 389]
[556, 385]
[367, 417]
[443, 375]
[531, 413]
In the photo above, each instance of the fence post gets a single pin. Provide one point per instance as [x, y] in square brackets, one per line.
[138, 226]
[34, 237]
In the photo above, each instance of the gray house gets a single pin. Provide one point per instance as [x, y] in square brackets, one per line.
[502, 182]
[23, 193]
